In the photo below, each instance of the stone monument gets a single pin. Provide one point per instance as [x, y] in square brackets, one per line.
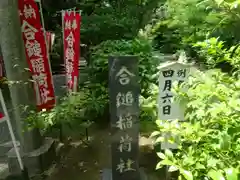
[124, 93]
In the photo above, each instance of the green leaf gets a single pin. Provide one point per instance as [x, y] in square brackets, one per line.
[159, 122]
[161, 155]
[155, 133]
[187, 174]
[212, 162]
[159, 165]
[166, 162]
[215, 175]
[229, 1]
[225, 141]
[159, 139]
[172, 169]
[169, 154]
[199, 166]
[231, 174]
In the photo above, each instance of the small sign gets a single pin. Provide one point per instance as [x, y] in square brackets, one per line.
[124, 109]
[170, 73]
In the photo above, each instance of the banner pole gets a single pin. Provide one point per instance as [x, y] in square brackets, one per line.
[74, 77]
[65, 68]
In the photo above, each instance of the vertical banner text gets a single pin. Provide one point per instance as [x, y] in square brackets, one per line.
[124, 110]
[36, 53]
[71, 42]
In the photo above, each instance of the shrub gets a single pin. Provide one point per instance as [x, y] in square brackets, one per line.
[209, 139]
[98, 70]
[215, 54]
[69, 112]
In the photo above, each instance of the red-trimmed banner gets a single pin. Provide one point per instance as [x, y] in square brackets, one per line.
[36, 53]
[71, 36]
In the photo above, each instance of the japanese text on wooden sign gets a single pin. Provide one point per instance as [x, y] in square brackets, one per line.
[71, 36]
[36, 53]
[124, 109]
[168, 109]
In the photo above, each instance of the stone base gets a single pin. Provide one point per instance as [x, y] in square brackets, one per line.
[36, 161]
[6, 147]
[107, 174]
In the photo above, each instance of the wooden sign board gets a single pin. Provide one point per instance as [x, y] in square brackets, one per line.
[170, 73]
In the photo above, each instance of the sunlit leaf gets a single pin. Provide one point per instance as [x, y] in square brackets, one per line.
[173, 168]
[159, 165]
[161, 155]
[215, 175]
[159, 139]
[169, 153]
[155, 133]
[231, 174]
[187, 174]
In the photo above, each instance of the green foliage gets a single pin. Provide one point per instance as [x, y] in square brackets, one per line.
[103, 20]
[187, 22]
[107, 28]
[231, 4]
[139, 47]
[166, 38]
[148, 111]
[98, 71]
[95, 101]
[69, 112]
[149, 105]
[213, 52]
[209, 138]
